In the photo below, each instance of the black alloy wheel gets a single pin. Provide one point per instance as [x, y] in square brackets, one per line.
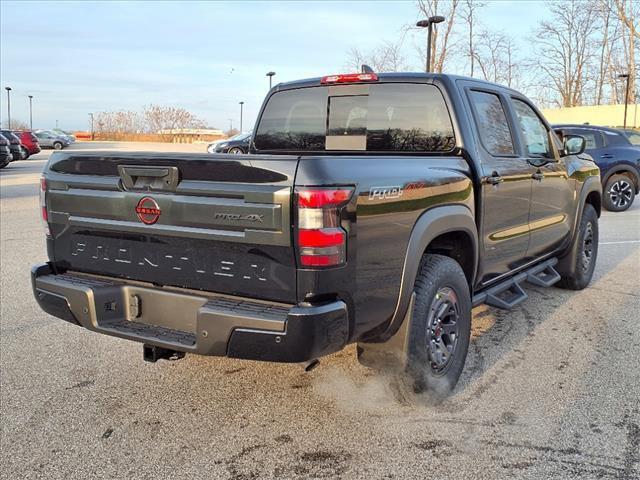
[442, 329]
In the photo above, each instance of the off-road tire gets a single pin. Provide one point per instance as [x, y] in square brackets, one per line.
[619, 193]
[586, 247]
[440, 279]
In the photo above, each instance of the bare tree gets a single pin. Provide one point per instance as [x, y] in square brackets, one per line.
[565, 48]
[387, 57]
[468, 14]
[627, 12]
[495, 55]
[604, 12]
[153, 119]
[169, 118]
[442, 36]
[16, 124]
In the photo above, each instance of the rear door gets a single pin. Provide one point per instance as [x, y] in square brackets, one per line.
[506, 185]
[215, 223]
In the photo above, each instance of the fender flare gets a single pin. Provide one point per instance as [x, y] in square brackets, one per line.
[566, 264]
[431, 224]
[626, 168]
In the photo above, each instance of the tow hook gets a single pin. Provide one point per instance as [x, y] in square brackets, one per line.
[151, 353]
[311, 365]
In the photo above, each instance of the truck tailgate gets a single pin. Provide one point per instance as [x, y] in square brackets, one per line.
[218, 223]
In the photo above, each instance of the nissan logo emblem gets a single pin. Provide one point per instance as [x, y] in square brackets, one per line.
[148, 210]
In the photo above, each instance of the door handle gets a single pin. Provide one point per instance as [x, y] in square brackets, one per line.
[538, 176]
[494, 179]
[606, 155]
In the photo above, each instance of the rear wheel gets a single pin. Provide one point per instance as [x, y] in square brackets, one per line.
[619, 193]
[24, 153]
[440, 326]
[58, 145]
[4, 163]
[585, 252]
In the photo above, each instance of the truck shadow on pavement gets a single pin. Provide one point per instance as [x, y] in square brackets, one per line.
[496, 334]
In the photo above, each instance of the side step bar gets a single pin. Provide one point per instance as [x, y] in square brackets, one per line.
[509, 293]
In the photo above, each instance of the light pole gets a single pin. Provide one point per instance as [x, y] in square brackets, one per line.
[230, 123]
[626, 97]
[91, 115]
[241, 104]
[270, 75]
[8, 89]
[30, 112]
[428, 23]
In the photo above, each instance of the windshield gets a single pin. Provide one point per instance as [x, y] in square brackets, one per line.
[399, 117]
[240, 136]
[633, 137]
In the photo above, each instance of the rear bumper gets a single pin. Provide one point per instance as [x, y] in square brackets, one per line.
[193, 321]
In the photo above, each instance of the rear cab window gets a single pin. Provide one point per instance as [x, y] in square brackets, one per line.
[397, 117]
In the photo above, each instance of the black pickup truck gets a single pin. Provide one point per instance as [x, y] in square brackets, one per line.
[377, 209]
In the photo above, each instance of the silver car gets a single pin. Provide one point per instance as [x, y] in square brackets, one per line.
[51, 140]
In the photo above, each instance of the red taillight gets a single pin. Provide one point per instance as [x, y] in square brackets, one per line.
[323, 237]
[349, 78]
[321, 240]
[43, 206]
[318, 198]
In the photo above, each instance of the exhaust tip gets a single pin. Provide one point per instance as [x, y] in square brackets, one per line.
[311, 365]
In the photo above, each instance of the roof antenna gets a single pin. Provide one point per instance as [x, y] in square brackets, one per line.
[366, 69]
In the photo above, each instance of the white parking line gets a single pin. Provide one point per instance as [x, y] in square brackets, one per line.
[23, 179]
[620, 242]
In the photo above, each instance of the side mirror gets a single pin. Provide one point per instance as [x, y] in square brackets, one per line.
[573, 144]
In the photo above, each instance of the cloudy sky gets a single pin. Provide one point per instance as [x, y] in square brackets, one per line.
[80, 57]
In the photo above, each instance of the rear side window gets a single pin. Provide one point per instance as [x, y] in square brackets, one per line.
[382, 117]
[492, 123]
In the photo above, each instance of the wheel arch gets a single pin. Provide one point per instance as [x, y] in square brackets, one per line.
[449, 230]
[591, 193]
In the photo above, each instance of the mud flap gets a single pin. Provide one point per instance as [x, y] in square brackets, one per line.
[392, 354]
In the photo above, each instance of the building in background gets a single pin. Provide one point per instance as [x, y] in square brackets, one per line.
[603, 115]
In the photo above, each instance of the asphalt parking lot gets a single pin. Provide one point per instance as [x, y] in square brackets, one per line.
[550, 389]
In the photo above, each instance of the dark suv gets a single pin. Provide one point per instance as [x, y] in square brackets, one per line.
[15, 145]
[618, 159]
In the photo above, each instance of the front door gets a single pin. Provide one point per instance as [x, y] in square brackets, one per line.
[506, 187]
[552, 194]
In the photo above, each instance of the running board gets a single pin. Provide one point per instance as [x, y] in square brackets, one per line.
[509, 293]
[543, 275]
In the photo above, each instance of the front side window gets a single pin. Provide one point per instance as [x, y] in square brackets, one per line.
[492, 123]
[379, 117]
[535, 134]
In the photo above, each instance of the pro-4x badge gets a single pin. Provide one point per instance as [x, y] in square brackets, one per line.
[252, 217]
[148, 210]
